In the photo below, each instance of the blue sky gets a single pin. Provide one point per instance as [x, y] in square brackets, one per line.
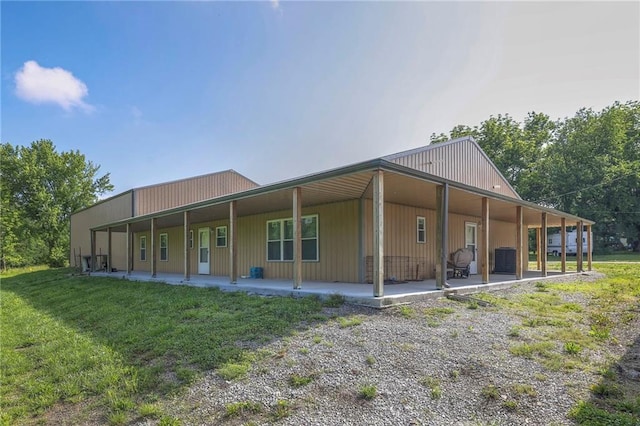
[156, 91]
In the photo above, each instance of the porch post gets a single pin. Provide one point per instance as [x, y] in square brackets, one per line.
[543, 244]
[538, 248]
[589, 248]
[297, 237]
[233, 243]
[92, 267]
[153, 247]
[579, 253]
[484, 240]
[108, 250]
[563, 245]
[129, 249]
[519, 243]
[442, 234]
[378, 233]
[186, 222]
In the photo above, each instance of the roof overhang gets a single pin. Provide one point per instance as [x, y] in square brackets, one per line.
[402, 185]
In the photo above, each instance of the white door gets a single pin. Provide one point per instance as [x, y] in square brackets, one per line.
[470, 239]
[204, 235]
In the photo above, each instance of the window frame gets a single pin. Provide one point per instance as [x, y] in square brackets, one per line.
[282, 240]
[143, 248]
[191, 239]
[418, 230]
[218, 236]
[166, 247]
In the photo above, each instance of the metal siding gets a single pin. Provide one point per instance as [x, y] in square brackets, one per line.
[139, 265]
[173, 194]
[501, 234]
[110, 210]
[460, 162]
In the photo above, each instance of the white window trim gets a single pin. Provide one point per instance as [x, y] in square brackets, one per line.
[225, 236]
[191, 239]
[166, 247]
[282, 240]
[424, 229]
[143, 238]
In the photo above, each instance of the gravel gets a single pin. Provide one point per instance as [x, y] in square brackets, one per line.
[451, 369]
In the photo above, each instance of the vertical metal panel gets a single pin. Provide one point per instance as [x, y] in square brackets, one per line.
[461, 162]
[173, 194]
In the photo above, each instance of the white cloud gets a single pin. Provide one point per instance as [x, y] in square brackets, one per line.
[41, 85]
[275, 4]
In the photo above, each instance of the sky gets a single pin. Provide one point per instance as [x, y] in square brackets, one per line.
[158, 91]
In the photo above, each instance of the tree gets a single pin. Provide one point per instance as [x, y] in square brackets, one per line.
[40, 189]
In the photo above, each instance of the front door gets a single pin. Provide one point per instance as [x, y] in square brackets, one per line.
[204, 235]
[470, 242]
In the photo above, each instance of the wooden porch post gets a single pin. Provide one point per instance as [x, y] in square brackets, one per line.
[233, 243]
[129, 249]
[186, 222]
[589, 248]
[484, 240]
[579, 252]
[297, 237]
[153, 247]
[442, 234]
[538, 248]
[543, 244]
[519, 243]
[108, 250]
[563, 245]
[92, 267]
[378, 234]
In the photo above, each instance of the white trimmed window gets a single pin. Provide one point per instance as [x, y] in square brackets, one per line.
[143, 248]
[280, 239]
[421, 229]
[191, 238]
[221, 236]
[164, 247]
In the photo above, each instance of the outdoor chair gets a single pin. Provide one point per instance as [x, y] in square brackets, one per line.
[458, 264]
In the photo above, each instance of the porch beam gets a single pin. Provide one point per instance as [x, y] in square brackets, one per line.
[154, 223]
[233, 242]
[108, 262]
[129, 249]
[589, 248]
[579, 254]
[538, 248]
[378, 233]
[484, 240]
[297, 237]
[186, 223]
[519, 251]
[442, 234]
[563, 245]
[543, 244]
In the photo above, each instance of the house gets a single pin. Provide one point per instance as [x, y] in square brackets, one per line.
[396, 217]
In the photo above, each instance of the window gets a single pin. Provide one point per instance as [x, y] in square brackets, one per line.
[143, 248]
[164, 247]
[421, 229]
[280, 239]
[221, 236]
[191, 239]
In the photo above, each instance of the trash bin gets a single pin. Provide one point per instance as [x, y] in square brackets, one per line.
[256, 272]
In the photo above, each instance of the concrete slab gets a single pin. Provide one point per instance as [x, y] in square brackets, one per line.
[355, 293]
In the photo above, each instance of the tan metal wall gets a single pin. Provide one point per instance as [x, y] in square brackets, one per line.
[462, 162]
[163, 196]
[112, 209]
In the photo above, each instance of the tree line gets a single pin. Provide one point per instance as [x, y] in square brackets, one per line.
[39, 189]
[587, 165]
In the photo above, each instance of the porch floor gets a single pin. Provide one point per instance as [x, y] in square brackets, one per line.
[361, 294]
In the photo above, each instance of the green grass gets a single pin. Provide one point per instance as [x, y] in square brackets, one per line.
[367, 392]
[115, 346]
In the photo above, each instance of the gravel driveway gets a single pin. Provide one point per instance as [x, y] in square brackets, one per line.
[435, 362]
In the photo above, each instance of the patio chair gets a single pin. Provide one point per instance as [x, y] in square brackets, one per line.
[458, 265]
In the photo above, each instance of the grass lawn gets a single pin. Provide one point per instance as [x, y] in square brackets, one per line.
[113, 347]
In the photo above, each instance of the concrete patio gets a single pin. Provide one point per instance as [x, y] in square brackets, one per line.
[360, 294]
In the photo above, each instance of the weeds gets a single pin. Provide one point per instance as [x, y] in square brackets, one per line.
[367, 392]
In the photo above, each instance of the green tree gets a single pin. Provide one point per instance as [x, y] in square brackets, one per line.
[40, 189]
